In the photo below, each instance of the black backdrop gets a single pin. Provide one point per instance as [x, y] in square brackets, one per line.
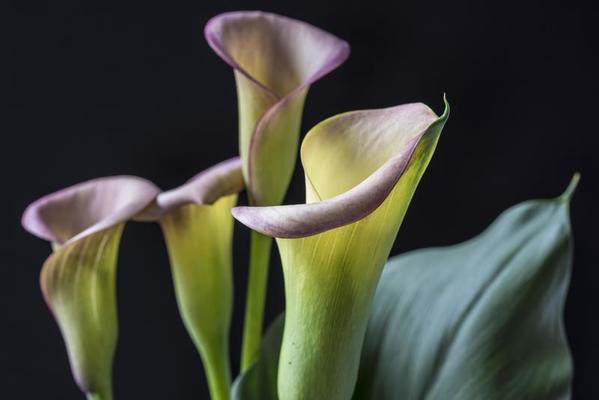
[134, 89]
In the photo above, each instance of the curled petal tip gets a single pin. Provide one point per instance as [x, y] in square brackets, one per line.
[447, 109]
[88, 207]
[205, 188]
[302, 220]
[352, 163]
[362, 141]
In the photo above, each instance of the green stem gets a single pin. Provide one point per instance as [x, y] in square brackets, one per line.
[218, 373]
[256, 295]
[101, 395]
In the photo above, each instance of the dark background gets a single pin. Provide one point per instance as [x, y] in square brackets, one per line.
[134, 89]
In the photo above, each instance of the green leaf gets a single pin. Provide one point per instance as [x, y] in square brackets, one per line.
[478, 320]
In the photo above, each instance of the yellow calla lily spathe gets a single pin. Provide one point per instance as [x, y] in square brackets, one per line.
[361, 169]
[84, 224]
[198, 230]
[275, 61]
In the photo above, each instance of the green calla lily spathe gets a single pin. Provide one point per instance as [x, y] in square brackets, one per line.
[275, 60]
[198, 229]
[361, 169]
[84, 224]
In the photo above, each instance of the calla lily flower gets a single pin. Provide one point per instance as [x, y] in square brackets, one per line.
[275, 60]
[361, 170]
[84, 224]
[198, 228]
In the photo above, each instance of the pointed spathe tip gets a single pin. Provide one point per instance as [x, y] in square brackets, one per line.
[447, 109]
[569, 192]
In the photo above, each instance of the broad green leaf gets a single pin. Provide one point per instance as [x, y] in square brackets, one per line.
[478, 320]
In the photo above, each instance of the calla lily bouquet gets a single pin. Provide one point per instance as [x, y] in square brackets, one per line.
[478, 320]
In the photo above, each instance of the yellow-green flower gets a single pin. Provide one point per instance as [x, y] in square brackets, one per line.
[275, 60]
[84, 224]
[198, 228]
[361, 170]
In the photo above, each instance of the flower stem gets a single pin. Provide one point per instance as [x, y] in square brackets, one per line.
[218, 373]
[100, 395]
[260, 246]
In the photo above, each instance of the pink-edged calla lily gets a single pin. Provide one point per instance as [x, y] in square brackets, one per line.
[361, 171]
[84, 224]
[275, 60]
[198, 229]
